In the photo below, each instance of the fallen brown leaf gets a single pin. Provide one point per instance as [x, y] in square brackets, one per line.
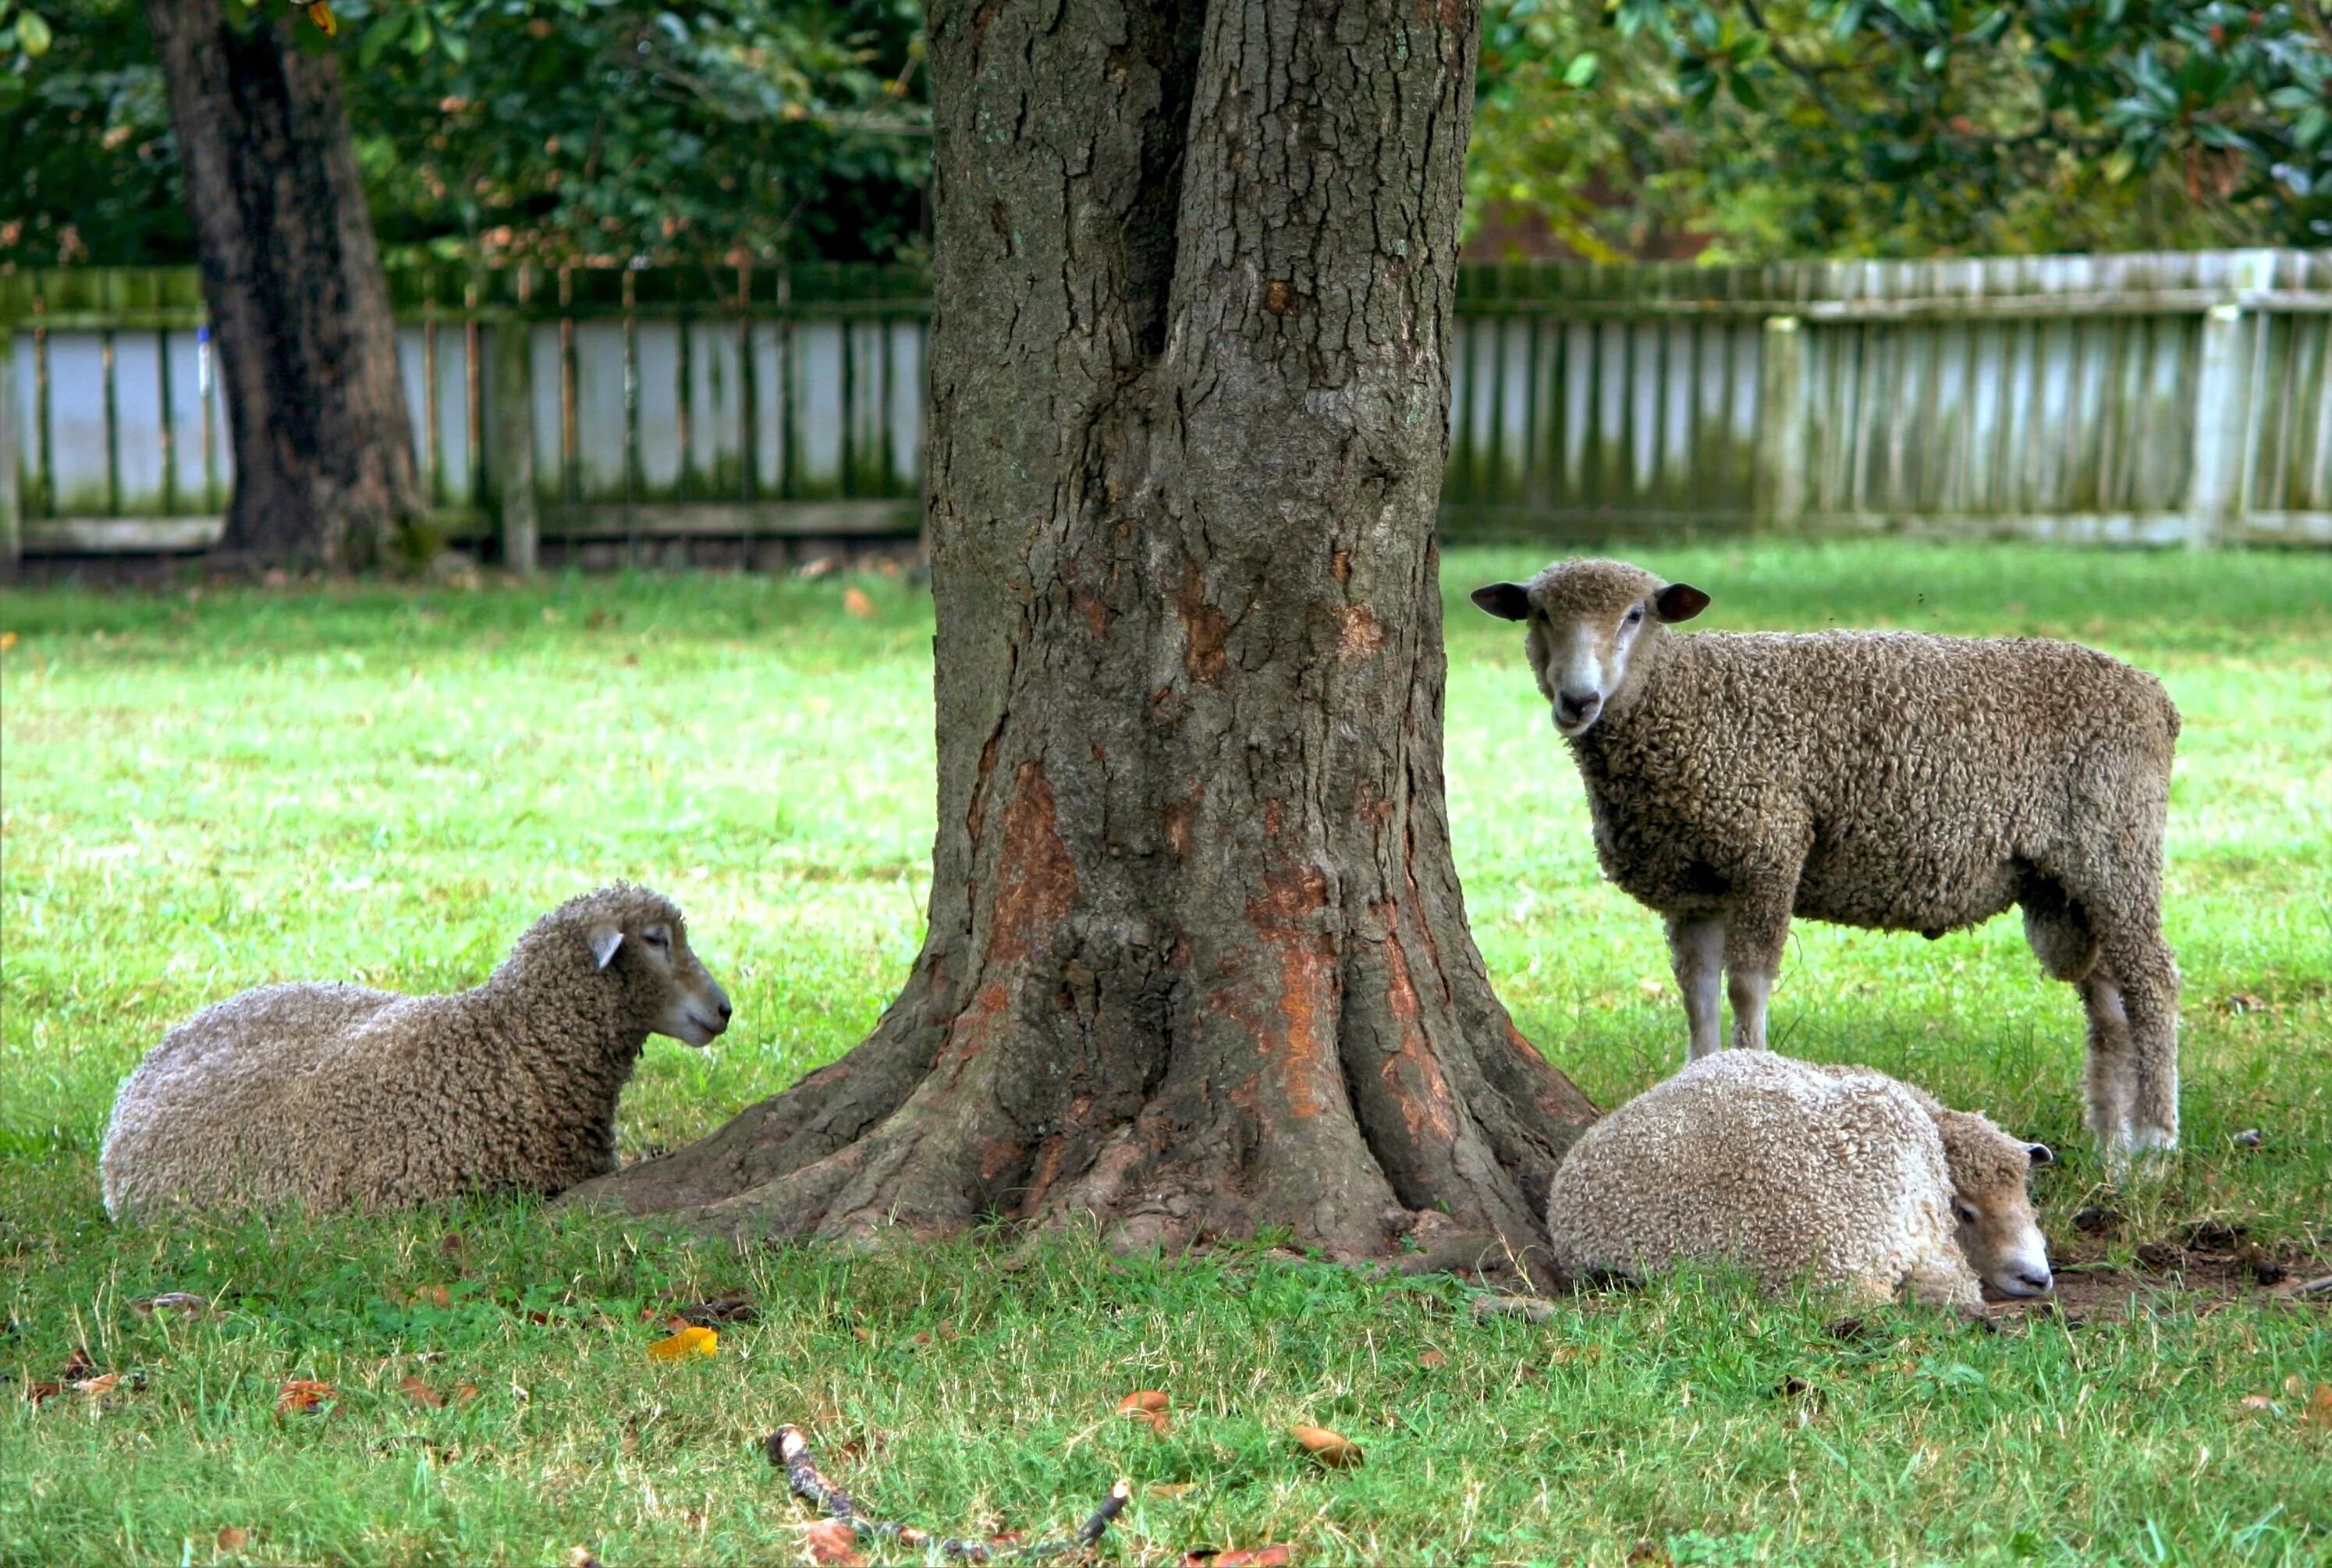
[1431, 1358]
[713, 1312]
[1149, 1407]
[77, 1366]
[40, 1392]
[303, 1394]
[98, 1386]
[856, 601]
[583, 1557]
[232, 1539]
[7, 641]
[421, 1393]
[1333, 1449]
[834, 1542]
[2319, 1405]
[1238, 1557]
[434, 1295]
[2256, 1404]
[464, 1394]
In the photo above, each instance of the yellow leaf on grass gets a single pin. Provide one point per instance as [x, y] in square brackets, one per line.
[7, 641]
[856, 601]
[686, 1343]
[232, 1539]
[322, 15]
[421, 1393]
[1333, 1450]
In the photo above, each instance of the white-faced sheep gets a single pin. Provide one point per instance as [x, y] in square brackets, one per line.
[1886, 779]
[329, 1096]
[1840, 1176]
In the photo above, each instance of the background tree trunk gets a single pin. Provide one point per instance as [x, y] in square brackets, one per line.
[300, 314]
[1197, 962]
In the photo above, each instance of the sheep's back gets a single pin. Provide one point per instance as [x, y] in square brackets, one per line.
[1922, 771]
[1754, 1159]
[214, 1116]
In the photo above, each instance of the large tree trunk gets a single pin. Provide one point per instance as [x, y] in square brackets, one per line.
[1197, 962]
[323, 452]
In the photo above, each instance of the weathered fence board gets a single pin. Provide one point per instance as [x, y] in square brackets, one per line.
[2152, 398]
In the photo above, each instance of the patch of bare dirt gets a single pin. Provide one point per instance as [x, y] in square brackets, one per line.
[2211, 1266]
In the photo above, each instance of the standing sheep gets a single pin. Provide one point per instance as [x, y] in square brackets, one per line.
[324, 1096]
[1886, 779]
[1839, 1175]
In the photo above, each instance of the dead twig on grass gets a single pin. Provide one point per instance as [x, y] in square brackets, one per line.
[788, 1449]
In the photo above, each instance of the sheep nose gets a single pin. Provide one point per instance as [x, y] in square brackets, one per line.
[1574, 706]
[723, 1009]
[2040, 1281]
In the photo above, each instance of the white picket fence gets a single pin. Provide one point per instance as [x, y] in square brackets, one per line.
[2154, 399]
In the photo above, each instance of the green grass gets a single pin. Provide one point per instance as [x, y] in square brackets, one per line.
[205, 793]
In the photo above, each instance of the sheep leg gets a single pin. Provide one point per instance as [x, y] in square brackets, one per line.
[1753, 939]
[1697, 948]
[2141, 965]
[2110, 1077]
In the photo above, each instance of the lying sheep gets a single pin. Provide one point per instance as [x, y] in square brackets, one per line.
[1886, 779]
[1837, 1175]
[326, 1096]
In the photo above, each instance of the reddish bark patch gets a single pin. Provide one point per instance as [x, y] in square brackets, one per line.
[1206, 632]
[1176, 818]
[1359, 633]
[1412, 1075]
[1286, 923]
[1278, 297]
[1037, 884]
[1341, 563]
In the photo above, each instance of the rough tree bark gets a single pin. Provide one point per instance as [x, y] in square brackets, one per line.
[1197, 962]
[299, 313]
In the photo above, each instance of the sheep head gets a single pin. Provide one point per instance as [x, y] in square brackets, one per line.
[1990, 1205]
[1587, 621]
[638, 937]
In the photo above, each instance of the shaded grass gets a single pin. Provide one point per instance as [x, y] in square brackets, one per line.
[388, 785]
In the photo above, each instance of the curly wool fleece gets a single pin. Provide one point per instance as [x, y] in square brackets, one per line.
[324, 1096]
[1837, 1175]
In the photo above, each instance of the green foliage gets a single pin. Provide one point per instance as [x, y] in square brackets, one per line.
[1912, 127]
[618, 131]
[87, 167]
[555, 130]
[206, 791]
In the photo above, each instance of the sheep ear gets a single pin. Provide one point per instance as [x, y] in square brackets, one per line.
[605, 941]
[1680, 601]
[2041, 1153]
[1509, 601]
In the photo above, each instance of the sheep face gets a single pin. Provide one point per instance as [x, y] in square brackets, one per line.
[1586, 620]
[682, 999]
[1990, 1207]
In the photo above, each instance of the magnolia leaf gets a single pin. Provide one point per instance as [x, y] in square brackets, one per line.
[1332, 1449]
[689, 1341]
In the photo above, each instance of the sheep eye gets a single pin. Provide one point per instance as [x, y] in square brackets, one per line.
[1966, 1215]
[1635, 615]
[656, 936]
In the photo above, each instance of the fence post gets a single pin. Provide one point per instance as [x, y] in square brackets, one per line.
[2223, 422]
[513, 448]
[1781, 480]
[13, 293]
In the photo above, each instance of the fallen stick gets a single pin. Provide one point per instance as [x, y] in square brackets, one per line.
[789, 1451]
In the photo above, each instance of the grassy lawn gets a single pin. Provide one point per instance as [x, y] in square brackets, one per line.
[205, 792]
